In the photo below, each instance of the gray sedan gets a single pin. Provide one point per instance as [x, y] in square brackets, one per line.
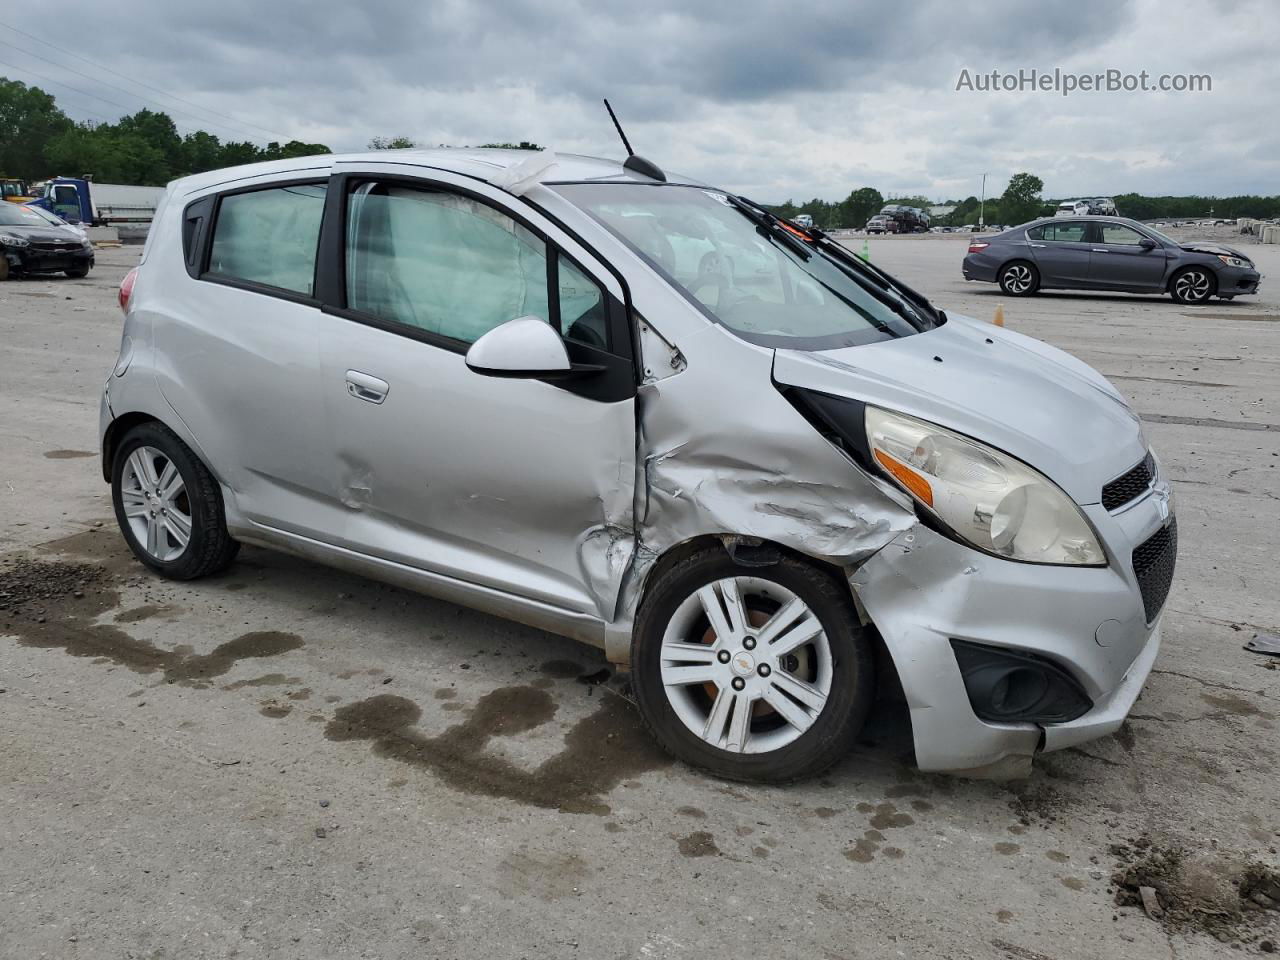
[1108, 253]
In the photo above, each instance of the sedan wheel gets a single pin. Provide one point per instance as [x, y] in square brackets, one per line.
[1019, 279]
[758, 672]
[1192, 286]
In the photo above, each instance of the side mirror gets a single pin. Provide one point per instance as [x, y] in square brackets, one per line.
[524, 347]
[1146, 243]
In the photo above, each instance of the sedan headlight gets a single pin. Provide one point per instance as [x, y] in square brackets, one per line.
[1234, 261]
[987, 498]
[9, 240]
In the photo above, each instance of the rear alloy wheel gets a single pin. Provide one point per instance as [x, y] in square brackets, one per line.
[1193, 285]
[168, 505]
[752, 673]
[1019, 279]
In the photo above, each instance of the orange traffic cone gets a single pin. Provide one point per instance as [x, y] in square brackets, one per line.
[999, 318]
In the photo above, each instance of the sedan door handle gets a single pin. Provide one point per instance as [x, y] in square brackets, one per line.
[364, 387]
[1100, 250]
[1037, 245]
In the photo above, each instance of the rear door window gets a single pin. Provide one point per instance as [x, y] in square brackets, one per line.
[269, 237]
[1073, 232]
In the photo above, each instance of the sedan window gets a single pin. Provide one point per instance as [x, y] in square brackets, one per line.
[269, 236]
[1073, 232]
[1119, 234]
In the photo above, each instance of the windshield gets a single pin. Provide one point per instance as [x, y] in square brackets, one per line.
[764, 284]
[18, 215]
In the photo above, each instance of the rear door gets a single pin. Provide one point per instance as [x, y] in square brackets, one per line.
[517, 484]
[236, 353]
[1061, 249]
[1118, 259]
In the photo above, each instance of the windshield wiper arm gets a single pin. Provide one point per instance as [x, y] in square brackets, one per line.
[770, 226]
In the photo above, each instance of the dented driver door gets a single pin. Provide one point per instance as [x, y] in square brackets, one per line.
[520, 485]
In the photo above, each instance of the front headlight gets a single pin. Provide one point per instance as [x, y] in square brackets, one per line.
[987, 498]
[1234, 261]
[9, 240]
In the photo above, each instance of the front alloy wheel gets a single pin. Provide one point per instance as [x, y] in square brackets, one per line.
[752, 672]
[750, 681]
[1193, 286]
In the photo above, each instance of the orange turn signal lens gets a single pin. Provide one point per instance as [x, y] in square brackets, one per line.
[917, 484]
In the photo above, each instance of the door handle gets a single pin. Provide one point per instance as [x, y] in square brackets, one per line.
[1098, 250]
[1036, 245]
[364, 387]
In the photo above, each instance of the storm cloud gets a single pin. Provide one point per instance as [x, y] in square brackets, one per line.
[773, 99]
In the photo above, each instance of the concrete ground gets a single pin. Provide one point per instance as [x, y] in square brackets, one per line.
[287, 761]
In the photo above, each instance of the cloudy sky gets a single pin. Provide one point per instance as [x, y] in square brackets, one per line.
[770, 98]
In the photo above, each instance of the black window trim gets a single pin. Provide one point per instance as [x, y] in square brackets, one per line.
[206, 240]
[331, 264]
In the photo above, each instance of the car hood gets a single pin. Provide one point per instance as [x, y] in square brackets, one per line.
[1213, 249]
[1015, 393]
[48, 231]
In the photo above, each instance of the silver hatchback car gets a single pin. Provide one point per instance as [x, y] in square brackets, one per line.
[642, 412]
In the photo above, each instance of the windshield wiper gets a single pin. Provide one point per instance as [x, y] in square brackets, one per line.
[770, 226]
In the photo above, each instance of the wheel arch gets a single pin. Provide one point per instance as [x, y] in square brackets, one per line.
[1183, 268]
[115, 433]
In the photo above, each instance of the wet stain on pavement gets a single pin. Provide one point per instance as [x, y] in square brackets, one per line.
[863, 851]
[601, 750]
[698, 844]
[561, 669]
[692, 812]
[887, 817]
[274, 710]
[266, 680]
[68, 454]
[1006, 849]
[445, 693]
[144, 612]
[1057, 856]
[1072, 883]
[1236, 706]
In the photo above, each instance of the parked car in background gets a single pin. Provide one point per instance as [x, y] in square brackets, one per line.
[431, 369]
[1093, 206]
[35, 241]
[880, 224]
[803, 220]
[1108, 253]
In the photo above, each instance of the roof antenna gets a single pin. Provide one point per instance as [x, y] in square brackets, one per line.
[634, 163]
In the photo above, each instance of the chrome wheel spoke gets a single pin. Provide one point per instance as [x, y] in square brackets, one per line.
[788, 709]
[786, 615]
[739, 724]
[134, 503]
[143, 469]
[170, 482]
[155, 537]
[713, 731]
[811, 697]
[179, 527]
[678, 652]
[712, 607]
[698, 673]
[802, 633]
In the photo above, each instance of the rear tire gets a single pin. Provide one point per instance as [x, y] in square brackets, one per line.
[168, 505]
[778, 691]
[1018, 278]
[1193, 285]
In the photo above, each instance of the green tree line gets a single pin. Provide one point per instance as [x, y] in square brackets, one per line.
[1021, 202]
[38, 140]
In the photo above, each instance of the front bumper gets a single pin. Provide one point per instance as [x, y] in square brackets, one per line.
[923, 590]
[1238, 281]
[28, 260]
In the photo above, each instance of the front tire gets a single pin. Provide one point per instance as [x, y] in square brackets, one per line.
[168, 505]
[757, 673]
[77, 272]
[1019, 278]
[1193, 285]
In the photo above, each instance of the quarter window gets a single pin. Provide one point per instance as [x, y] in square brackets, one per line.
[442, 262]
[269, 237]
[1115, 233]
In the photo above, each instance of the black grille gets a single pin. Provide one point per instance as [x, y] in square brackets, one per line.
[1130, 486]
[54, 247]
[1153, 562]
